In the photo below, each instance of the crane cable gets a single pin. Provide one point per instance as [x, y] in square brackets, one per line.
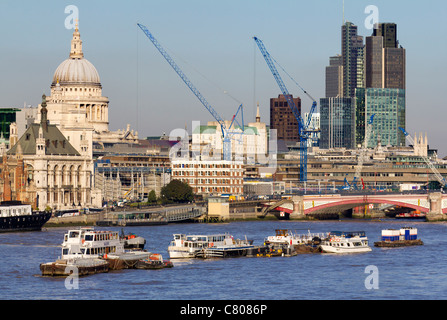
[292, 79]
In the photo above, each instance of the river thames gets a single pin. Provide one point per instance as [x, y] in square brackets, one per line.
[409, 273]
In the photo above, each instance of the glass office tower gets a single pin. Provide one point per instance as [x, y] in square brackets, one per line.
[337, 122]
[388, 106]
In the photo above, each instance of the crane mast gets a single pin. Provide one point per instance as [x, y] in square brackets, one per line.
[302, 127]
[358, 169]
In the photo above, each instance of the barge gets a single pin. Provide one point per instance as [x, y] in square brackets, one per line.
[82, 267]
[404, 237]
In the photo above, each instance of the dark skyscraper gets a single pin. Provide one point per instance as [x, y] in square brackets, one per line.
[283, 120]
[384, 59]
[352, 50]
[389, 33]
[334, 77]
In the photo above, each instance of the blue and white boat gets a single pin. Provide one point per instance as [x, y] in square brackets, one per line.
[407, 236]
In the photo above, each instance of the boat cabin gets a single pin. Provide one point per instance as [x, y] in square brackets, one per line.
[88, 243]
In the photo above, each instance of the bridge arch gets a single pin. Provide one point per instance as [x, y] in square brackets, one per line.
[335, 205]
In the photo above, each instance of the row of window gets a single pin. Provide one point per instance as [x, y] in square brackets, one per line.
[208, 173]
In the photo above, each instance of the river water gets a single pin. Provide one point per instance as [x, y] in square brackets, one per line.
[410, 273]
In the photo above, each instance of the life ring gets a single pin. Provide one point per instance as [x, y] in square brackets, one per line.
[211, 245]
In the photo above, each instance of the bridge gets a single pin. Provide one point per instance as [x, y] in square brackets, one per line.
[433, 204]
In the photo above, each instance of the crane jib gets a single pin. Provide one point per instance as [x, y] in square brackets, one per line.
[225, 131]
[183, 76]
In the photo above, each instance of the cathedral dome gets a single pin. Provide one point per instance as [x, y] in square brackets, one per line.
[76, 70]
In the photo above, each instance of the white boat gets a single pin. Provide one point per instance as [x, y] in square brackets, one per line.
[88, 243]
[283, 236]
[345, 242]
[195, 246]
[90, 252]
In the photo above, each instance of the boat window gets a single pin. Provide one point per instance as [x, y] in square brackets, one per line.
[74, 234]
[64, 251]
[88, 237]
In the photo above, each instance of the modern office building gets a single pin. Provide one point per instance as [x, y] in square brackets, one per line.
[7, 116]
[337, 121]
[384, 59]
[334, 77]
[283, 120]
[352, 55]
[388, 107]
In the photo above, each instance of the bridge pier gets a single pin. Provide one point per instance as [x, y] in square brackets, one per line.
[435, 213]
[298, 208]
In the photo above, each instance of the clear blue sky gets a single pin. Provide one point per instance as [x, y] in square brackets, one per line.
[212, 42]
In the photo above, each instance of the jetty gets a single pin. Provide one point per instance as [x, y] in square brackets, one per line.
[150, 217]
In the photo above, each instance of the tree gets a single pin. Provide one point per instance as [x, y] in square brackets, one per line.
[151, 197]
[177, 191]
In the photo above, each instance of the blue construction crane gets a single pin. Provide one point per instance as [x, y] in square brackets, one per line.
[226, 132]
[303, 128]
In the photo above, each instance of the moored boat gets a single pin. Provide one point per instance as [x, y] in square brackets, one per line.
[283, 236]
[201, 246]
[16, 216]
[91, 251]
[155, 261]
[402, 237]
[345, 242]
[132, 241]
[411, 215]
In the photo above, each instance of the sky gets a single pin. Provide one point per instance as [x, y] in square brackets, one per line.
[212, 42]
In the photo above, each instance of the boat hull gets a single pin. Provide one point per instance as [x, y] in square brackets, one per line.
[32, 222]
[398, 243]
[224, 252]
[84, 267]
[180, 254]
[331, 249]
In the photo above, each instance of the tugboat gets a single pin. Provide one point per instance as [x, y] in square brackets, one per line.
[131, 241]
[16, 216]
[403, 237]
[345, 242]
[155, 261]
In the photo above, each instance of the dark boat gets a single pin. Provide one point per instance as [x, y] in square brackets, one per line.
[16, 216]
